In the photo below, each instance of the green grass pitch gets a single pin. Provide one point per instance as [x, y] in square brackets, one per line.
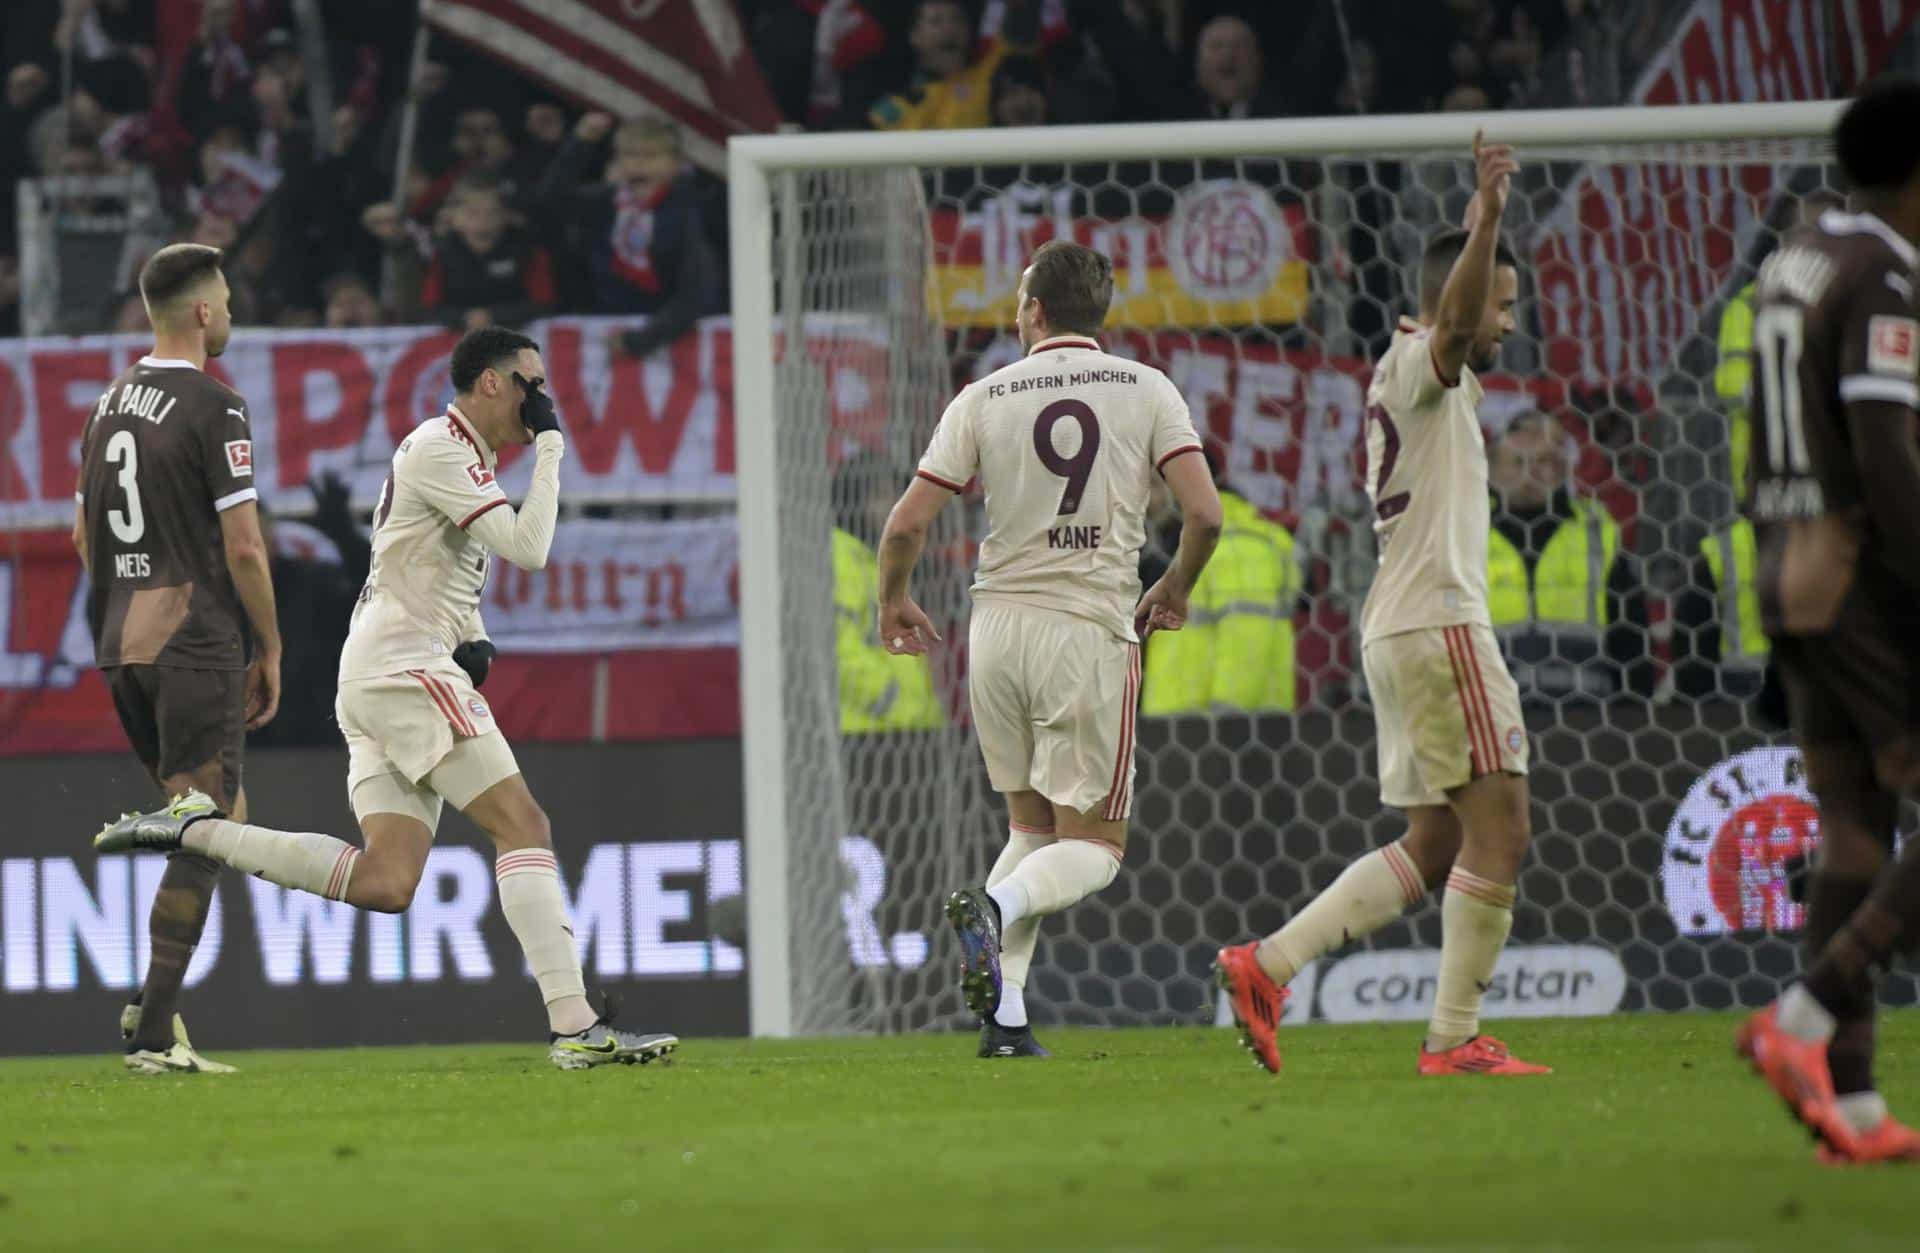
[1650, 1136]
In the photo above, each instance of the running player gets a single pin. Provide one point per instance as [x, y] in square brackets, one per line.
[417, 729]
[1835, 502]
[1453, 750]
[1065, 442]
[169, 531]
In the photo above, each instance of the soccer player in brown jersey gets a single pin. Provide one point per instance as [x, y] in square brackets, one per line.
[180, 600]
[1835, 500]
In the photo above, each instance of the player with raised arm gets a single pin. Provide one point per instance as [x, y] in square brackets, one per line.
[168, 528]
[1835, 502]
[1065, 443]
[1453, 748]
[417, 730]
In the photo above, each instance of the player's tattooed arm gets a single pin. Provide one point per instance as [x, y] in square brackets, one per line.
[1463, 300]
[80, 536]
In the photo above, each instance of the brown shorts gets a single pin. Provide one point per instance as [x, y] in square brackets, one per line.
[178, 720]
[1856, 686]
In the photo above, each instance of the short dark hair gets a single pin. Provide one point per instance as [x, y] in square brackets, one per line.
[1436, 262]
[176, 270]
[485, 349]
[1876, 140]
[1073, 283]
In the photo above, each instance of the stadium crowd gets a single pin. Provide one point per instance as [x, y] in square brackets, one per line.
[514, 204]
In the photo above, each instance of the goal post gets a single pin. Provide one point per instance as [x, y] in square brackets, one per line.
[854, 322]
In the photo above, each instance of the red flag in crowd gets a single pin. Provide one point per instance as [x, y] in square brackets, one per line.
[687, 60]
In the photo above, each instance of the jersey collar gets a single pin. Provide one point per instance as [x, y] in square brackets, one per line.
[166, 363]
[1065, 341]
[1835, 222]
[462, 427]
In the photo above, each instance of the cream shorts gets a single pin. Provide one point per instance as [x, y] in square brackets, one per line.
[417, 738]
[1445, 711]
[1054, 702]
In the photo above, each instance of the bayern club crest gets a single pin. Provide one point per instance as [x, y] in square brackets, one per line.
[1729, 842]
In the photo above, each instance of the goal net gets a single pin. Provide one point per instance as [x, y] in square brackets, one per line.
[1263, 266]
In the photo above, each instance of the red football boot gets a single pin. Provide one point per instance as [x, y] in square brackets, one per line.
[1796, 1070]
[1889, 1141]
[1256, 999]
[1482, 1055]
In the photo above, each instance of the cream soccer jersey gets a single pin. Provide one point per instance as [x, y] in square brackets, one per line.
[422, 595]
[1427, 477]
[1065, 442]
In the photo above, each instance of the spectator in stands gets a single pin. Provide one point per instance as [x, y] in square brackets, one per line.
[218, 74]
[1228, 73]
[950, 88]
[484, 271]
[1236, 653]
[1020, 92]
[642, 230]
[348, 302]
[1123, 63]
[1565, 597]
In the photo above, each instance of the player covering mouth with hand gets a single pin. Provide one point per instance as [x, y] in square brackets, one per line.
[418, 732]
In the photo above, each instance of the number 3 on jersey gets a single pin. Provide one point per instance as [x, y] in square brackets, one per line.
[1078, 468]
[131, 523]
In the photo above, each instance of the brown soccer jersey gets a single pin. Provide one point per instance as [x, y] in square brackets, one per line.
[166, 450]
[1833, 326]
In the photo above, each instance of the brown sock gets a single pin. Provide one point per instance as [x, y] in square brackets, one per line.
[179, 913]
[1830, 902]
[1888, 919]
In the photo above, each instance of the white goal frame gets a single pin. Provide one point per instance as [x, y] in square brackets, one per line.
[750, 162]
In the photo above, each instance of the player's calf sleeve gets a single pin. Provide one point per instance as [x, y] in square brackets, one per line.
[1053, 878]
[1475, 916]
[1368, 895]
[1831, 900]
[305, 860]
[1017, 941]
[529, 881]
[179, 915]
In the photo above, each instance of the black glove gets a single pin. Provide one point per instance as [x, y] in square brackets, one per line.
[536, 411]
[476, 656]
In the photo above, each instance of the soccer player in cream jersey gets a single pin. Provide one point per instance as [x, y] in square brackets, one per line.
[1453, 748]
[417, 730]
[1065, 443]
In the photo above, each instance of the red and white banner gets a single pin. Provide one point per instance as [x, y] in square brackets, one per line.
[628, 584]
[1635, 252]
[687, 59]
[338, 402]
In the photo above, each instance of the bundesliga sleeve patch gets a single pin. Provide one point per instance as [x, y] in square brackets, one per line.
[481, 476]
[240, 457]
[1893, 346]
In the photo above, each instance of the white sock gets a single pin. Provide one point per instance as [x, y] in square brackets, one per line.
[1863, 1110]
[1017, 941]
[1050, 879]
[530, 897]
[1368, 895]
[1475, 916]
[1804, 1017]
[293, 859]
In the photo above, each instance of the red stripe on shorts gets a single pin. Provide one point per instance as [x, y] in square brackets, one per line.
[1122, 780]
[443, 697]
[1466, 703]
[1480, 694]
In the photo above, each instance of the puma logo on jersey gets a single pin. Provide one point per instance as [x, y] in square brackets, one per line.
[1072, 537]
